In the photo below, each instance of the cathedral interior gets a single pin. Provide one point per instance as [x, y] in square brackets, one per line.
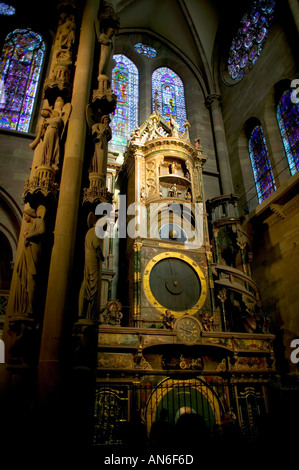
[149, 157]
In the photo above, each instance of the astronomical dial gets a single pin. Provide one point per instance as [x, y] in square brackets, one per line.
[175, 282]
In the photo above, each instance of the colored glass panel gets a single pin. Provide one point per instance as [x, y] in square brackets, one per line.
[288, 121]
[261, 166]
[6, 9]
[20, 67]
[168, 89]
[247, 45]
[143, 49]
[125, 86]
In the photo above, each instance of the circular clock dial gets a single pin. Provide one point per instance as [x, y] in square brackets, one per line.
[188, 329]
[175, 284]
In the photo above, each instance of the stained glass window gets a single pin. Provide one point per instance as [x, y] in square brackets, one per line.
[261, 166]
[143, 49]
[288, 121]
[249, 41]
[7, 10]
[20, 67]
[125, 86]
[168, 89]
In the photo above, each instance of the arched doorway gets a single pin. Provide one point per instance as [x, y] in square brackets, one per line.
[179, 397]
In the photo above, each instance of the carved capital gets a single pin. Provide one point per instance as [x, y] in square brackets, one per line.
[214, 98]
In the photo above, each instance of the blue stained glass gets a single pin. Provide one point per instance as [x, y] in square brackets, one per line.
[288, 121]
[20, 67]
[261, 166]
[125, 85]
[6, 9]
[168, 88]
[143, 49]
[251, 36]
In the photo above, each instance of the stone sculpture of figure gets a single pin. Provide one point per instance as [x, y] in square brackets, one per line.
[106, 41]
[49, 133]
[101, 133]
[106, 27]
[28, 264]
[173, 191]
[197, 145]
[174, 128]
[66, 35]
[90, 287]
[168, 320]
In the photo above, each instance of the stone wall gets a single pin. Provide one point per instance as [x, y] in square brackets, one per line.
[275, 226]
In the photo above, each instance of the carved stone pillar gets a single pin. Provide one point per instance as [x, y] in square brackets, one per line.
[56, 336]
[213, 103]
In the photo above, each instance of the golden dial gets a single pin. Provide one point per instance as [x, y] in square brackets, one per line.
[188, 329]
[174, 281]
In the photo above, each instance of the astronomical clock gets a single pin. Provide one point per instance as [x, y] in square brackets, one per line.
[167, 261]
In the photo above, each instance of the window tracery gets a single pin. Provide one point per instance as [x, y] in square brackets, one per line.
[288, 122]
[125, 80]
[261, 165]
[6, 9]
[20, 68]
[247, 45]
[168, 91]
[143, 49]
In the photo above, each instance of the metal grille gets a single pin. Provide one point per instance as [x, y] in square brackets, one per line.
[163, 412]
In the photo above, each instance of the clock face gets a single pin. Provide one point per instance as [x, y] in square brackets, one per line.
[173, 281]
[188, 329]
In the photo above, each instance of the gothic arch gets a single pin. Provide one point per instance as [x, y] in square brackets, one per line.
[10, 219]
[272, 131]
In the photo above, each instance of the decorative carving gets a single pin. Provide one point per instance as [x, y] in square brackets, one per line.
[66, 32]
[168, 320]
[174, 127]
[207, 322]
[60, 71]
[50, 131]
[198, 146]
[106, 26]
[150, 177]
[213, 98]
[277, 209]
[182, 362]
[90, 287]
[28, 264]
[222, 295]
[115, 361]
[186, 135]
[101, 133]
[111, 314]
[42, 183]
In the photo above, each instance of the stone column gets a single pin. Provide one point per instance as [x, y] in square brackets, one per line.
[294, 7]
[56, 336]
[213, 103]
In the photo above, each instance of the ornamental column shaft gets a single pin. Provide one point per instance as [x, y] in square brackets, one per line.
[56, 317]
[213, 103]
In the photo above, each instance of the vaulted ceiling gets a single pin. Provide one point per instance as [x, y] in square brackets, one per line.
[188, 26]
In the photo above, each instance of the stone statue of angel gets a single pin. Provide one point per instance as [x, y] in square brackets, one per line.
[50, 131]
[101, 134]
